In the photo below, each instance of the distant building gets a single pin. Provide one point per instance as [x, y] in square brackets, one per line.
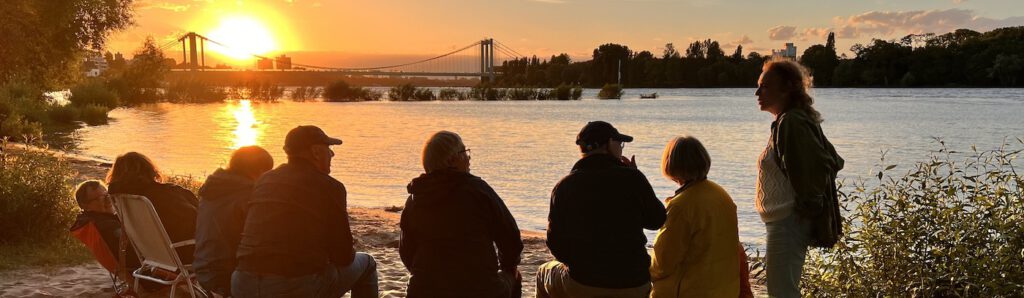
[788, 52]
[94, 64]
[264, 63]
[283, 62]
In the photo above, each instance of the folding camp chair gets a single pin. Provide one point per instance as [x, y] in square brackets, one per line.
[90, 236]
[154, 247]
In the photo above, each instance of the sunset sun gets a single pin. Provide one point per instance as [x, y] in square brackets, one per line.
[242, 37]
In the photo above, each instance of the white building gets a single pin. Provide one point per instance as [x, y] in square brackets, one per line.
[788, 52]
[95, 64]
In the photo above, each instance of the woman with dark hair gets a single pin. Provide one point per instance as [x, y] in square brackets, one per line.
[458, 237]
[795, 193]
[135, 174]
[222, 210]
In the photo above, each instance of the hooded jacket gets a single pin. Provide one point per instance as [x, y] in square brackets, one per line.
[296, 224]
[175, 205]
[451, 225]
[596, 222]
[222, 203]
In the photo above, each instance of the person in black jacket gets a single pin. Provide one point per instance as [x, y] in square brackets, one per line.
[596, 221]
[222, 204]
[296, 241]
[458, 237]
[135, 174]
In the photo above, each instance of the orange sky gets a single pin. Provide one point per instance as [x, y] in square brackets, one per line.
[362, 32]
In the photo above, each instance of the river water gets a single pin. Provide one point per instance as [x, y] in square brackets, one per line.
[522, 148]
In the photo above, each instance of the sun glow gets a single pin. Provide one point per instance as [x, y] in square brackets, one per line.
[247, 132]
[243, 36]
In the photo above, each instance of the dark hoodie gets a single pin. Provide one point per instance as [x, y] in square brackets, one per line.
[451, 224]
[222, 203]
[176, 207]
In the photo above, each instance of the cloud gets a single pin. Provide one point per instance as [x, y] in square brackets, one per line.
[175, 7]
[743, 40]
[781, 32]
[880, 24]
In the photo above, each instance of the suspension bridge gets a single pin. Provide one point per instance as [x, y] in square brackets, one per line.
[478, 59]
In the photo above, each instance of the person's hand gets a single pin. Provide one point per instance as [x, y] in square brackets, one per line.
[629, 162]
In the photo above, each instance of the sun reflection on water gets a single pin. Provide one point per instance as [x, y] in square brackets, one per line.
[247, 132]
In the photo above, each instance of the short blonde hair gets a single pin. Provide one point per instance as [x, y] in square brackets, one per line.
[685, 159]
[439, 149]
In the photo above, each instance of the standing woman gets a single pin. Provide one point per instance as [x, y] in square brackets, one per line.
[458, 237]
[695, 252]
[135, 174]
[795, 193]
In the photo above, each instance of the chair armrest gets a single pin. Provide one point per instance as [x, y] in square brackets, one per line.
[184, 243]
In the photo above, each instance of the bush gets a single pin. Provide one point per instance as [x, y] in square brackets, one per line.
[451, 94]
[340, 91]
[424, 94]
[65, 114]
[94, 114]
[945, 228]
[306, 93]
[35, 197]
[577, 92]
[610, 91]
[562, 92]
[402, 92]
[17, 128]
[94, 92]
[193, 91]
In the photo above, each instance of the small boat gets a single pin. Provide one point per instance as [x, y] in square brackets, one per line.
[650, 95]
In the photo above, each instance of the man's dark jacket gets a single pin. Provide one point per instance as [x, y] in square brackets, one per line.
[222, 202]
[176, 207]
[596, 222]
[451, 224]
[296, 224]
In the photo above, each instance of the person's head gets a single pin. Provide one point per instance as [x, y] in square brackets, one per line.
[685, 160]
[250, 161]
[133, 165]
[784, 85]
[92, 196]
[308, 143]
[445, 150]
[601, 137]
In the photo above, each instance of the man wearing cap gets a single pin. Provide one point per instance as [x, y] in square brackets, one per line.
[596, 221]
[296, 241]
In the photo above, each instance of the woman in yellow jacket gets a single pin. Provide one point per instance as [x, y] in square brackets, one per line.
[695, 253]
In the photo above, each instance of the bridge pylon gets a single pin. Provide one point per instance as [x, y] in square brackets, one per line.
[196, 58]
[487, 60]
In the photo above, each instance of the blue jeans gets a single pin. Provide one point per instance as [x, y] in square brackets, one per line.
[788, 239]
[360, 277]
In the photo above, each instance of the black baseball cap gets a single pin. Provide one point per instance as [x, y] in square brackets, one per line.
[301, 137]
[598, 132]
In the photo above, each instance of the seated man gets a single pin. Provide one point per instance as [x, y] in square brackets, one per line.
[222, 206]
[98, 214]
[596, 223]
[296, 241]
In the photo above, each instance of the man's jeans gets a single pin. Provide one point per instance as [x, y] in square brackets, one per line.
[360, 277]
[788, 240]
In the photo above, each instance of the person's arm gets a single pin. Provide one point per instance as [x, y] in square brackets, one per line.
[653, 211]
[673, 241]
[805, 161]
[505, 230]
[557, 238]
[407, 243]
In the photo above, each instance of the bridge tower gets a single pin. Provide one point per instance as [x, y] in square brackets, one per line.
[487, 59]
[194, 56]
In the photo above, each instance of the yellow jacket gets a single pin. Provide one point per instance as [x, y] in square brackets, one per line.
[696, 251]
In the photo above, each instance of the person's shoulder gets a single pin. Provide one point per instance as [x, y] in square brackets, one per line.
[795, 116]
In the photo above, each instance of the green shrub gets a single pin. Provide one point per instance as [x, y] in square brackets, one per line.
[402, 92]
[948, 227]
[306, 93]
[341, 91]
[562, 92]
[577, 92]
[610, 91]
[94, 92]
[17, 128]
[36, 203]
[424, 94]
[94, 114]
[65, 114]
[193, 91]
[451, 94]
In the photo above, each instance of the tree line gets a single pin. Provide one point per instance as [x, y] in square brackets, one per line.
[963, 58]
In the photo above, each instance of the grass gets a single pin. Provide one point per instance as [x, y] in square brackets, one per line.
[63, 251]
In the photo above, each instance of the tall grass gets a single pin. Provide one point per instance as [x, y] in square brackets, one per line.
[306, 93]
[950, 226]
[193, 91]
[35, 197]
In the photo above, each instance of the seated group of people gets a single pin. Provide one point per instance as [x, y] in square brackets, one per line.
[269, 232]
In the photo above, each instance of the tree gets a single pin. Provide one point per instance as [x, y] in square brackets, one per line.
[830, 43]
[670, 52]
[738, 54]
[43, 40]
[606, 61]
[822, 62]
[1007, 69]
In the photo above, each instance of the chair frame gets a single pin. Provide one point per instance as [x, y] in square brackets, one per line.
[185, 271]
